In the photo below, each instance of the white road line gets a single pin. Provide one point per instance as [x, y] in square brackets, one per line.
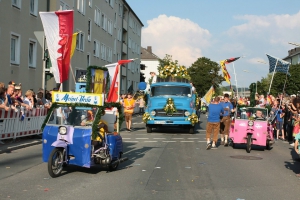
[142, 138]
[159, 138]
[131, 141]
[186, 141]
[177, 138]
[169, 141]
[201, 130]
[150, 141]
[193, 138]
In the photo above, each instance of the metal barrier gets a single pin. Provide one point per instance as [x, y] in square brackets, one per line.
[13, 125]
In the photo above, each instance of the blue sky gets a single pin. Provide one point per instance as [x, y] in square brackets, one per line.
[221, 29]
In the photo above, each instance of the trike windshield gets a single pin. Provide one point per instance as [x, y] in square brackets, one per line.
[75, 116]
[252, 113]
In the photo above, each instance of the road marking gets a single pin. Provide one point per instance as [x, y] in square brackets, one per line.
[150, 141]
[159, 138]
[201, 130]
[186, 141]
[177, 138]
[169, 141]
[141, 134]
[131, 141]
[193, 138]
[142, 138]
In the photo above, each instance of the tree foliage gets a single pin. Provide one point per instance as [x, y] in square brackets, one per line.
[290, 82]
[204, 73]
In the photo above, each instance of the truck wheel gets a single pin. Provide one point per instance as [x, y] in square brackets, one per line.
[149, 129]
[191, 130]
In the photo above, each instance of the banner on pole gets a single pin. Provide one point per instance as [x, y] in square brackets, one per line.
[208, 96]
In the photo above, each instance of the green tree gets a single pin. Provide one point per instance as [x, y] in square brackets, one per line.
[293, 81]
[204, 73]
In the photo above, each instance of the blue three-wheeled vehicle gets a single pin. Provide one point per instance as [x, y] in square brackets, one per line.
[80, 130]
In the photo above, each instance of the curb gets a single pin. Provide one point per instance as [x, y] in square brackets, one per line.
[8, 148]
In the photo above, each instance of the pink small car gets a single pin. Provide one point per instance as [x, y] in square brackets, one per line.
[250, 126]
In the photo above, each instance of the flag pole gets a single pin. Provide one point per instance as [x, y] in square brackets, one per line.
[237, 91]
[272, 77]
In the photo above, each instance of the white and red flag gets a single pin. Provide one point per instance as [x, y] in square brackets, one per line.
[114, 86]
[58, 28]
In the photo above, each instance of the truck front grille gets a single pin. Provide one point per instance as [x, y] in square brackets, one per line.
[162, 113]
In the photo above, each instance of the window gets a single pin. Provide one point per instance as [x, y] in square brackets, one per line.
[96, 48]
[80, 41]
[34, 7]
[97, 17]
[115, 46]
[63, 6]
[115, 23]
[81, 6]
[104, 21]
[89, 30]
[90, 3]
[111, 3]
[120, 9]
[103, 51]
[32, 53]
[119, 36]
[15, 49]
[88, 59]
[16, 3]
[129, 43]
[110, 26]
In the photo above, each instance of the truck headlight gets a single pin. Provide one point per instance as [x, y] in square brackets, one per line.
[250, 123]
[62, 130]
[187, 113]
[153, 113]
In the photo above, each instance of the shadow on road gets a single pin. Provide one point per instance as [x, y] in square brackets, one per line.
[293, 165]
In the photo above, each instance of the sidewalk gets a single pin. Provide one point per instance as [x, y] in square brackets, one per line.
[19, 143]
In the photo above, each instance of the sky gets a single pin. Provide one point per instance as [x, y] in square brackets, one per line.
[221, 29]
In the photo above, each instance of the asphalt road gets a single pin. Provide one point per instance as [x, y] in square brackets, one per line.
[165, 164]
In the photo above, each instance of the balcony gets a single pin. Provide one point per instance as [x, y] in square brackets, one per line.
[124, 25]
[124, 48]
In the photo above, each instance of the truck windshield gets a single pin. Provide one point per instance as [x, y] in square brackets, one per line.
[171, 90]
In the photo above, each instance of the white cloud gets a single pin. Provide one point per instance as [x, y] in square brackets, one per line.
[181, 38]
[275, 29]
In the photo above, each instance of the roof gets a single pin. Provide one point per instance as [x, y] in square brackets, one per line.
[292, 53]
[145, 54]
[170, 84]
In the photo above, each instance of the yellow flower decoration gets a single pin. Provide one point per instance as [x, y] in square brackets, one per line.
[193, 118]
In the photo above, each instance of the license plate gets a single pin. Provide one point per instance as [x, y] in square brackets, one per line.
[159, 122]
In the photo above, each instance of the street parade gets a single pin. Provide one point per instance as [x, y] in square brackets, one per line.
[97, 115]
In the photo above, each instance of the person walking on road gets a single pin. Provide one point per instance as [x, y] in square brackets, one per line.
[128, 105]
[225, 121]
[213, 122]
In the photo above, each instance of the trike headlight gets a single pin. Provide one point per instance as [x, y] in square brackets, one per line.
[250, 123]
[62, 130]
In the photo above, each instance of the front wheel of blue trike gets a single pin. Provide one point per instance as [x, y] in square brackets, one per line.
[55, 162]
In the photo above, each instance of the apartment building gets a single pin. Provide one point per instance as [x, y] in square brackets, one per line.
[293, 56]
[109, 30]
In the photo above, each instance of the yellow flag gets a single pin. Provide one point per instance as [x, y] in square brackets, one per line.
[73, 47]
[225, 72]
[207, 97]
[98, 82]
